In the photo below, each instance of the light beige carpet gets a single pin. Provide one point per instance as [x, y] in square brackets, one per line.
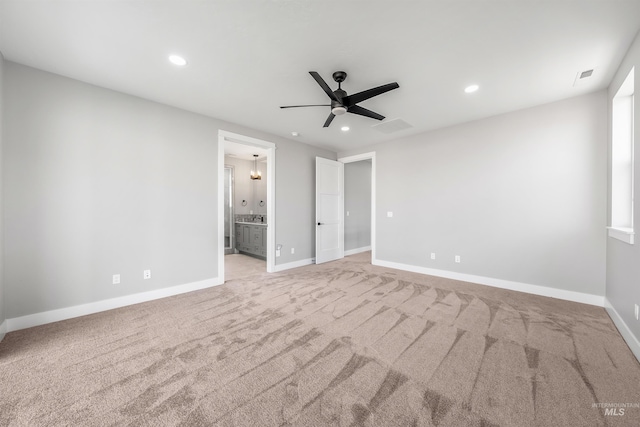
[237, 266]
[339, 344]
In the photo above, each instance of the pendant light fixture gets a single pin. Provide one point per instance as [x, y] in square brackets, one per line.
[255, 173]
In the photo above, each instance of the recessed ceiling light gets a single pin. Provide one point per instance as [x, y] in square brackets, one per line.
[178, 60]
[471, 88]
[344, 128]
[295, 134]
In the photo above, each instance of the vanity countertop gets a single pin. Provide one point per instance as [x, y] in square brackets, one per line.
[252, 223]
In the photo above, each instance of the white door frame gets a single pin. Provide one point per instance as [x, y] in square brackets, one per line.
[271, 195]
[357, 158]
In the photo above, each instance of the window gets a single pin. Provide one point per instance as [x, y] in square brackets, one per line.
[622, 162]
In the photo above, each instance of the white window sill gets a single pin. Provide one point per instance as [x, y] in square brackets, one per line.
[624, 234]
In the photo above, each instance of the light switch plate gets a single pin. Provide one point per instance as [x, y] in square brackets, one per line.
[389, 214]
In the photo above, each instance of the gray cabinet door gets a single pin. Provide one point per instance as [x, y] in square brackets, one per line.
[243, 237]
[246, 236]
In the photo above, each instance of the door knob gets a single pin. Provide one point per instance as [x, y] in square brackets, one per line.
[319, 223]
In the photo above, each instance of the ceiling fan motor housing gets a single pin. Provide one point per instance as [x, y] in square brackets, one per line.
[338, 108]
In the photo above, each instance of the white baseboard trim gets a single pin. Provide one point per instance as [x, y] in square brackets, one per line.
[294, 264]
[43, 318]
[631, 340]
[3, 329]
[357, 250]
[499, 283]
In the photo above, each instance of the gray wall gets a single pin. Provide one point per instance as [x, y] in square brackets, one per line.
[97, 182]
[295, 201]
[519, 197]
[2, 298]
[357, 201]
[623, 260]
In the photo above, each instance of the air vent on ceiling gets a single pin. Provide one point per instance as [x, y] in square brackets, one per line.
[583, 76]
[391, 126]
[586, 74]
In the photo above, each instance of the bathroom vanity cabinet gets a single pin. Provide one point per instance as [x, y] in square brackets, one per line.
[251, 239]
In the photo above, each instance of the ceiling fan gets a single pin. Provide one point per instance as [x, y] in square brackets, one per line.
[342, 103]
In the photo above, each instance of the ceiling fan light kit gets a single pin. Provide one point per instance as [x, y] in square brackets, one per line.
[342, 103]
[339, 110]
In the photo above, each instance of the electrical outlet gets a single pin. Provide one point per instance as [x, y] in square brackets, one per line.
[347, 213]
[147, 274]
[293, 250]
[277, 253]
[116, 281]
[433, 255]
[458, 258]
[637, 311]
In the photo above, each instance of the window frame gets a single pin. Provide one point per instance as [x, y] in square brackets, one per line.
[622, 162]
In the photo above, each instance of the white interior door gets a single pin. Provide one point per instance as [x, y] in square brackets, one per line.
[329, 210]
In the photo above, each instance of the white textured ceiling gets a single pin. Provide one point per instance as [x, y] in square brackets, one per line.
[248, 57]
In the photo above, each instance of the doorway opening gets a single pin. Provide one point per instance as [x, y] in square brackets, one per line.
[246, 205]
[359, 204]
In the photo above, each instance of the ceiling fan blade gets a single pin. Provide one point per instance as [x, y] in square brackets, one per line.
[356, 109]
[329, 120]
[324, 85]
[351, 100]
[313, 105]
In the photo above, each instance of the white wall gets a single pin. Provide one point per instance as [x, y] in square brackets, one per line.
[520, 197]
[242, 185]
[252, 191]
[3, 316]
[97, 182]
[260, 190]
[623, 260]
[357, 201]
